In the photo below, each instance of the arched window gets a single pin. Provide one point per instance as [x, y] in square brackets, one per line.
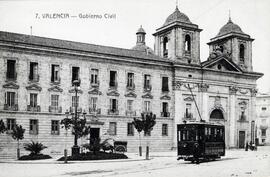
[187, 43]
[216, 114]
[165, 47]
[242, 52]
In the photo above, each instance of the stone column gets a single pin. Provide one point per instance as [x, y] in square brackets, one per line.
[178, 112]
[252, 114]
[232, 119]
[204, 101]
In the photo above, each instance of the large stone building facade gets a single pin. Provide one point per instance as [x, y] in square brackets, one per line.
[118, 84]
[263, 118]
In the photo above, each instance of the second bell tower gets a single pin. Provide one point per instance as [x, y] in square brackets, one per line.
[178, 39]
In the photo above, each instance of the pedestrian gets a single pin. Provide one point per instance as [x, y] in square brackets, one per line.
[246, 146]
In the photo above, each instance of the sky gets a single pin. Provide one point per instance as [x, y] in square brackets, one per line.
[251, 15]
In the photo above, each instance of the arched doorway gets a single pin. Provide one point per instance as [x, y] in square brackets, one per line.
[216, 114]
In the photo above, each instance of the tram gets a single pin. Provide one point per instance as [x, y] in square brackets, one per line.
[200, 141]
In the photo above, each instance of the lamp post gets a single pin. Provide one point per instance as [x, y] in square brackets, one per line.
[75, 150]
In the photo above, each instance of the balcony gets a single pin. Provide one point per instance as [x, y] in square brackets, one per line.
[113, 112]
[242, 118]
[131, 87]
[130, 113]
[55, 109]
[72, 110]
[11, 76]
[11, 108]
[33, 108]
[34, 78]
[165, 53]
[188, 116]
[56, 81]
[147, 88]
[94, 84]
[95, 111]
[113, 85]
[165, 114]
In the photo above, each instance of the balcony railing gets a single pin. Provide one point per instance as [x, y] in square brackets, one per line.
[131, 87]
[242, 118]
[56, 81]
[11, 77]
[55, 109]
[94, 111]
[11, 108]
[72, 109]
[113, 85]
[165, 114]
[147, 88]
[165, 53]
[34, 78]
[94, 84]
[130, 113]
[113, 112]
[188, 116]
[33, 108]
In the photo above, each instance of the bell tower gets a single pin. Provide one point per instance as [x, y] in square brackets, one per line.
[232, 42]
[178, 39]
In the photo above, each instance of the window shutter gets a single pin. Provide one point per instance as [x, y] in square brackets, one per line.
[110, 104]
[52, 73]
[16, 98]
[116, 104]
[5, 97]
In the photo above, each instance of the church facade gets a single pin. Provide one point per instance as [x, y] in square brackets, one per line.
[118, 84]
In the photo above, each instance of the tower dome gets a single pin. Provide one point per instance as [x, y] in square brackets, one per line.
[177, 16]
[230, 27]
[140, 44]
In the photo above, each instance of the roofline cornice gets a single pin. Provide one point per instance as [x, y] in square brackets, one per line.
[63, 51]
[177, 24]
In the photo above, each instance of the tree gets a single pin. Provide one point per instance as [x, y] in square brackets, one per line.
[18, 134]
[146, 124]
[66, 123]
[138, 124]
[2, 126]
[149, 121]
[79, 127]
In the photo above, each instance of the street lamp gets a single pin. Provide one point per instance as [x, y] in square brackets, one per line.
[75, 150]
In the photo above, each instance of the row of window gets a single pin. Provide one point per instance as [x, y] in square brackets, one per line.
[94, 76]
[55, 127]
[11, 104]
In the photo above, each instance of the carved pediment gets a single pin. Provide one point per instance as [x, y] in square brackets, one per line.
[243, 91]
[147, 95]
[55, 89]
[131, 94]
[188, 99]
[34, 87]
[165, 97]
[11, 85]
[222, 64]
[113, 93]
[243, 104]
[73, 91]
[95, 91]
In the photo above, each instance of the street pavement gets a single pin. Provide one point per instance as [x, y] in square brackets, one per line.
[236, 163]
